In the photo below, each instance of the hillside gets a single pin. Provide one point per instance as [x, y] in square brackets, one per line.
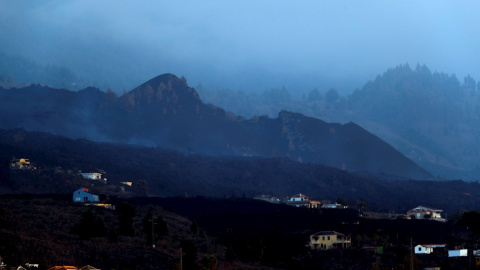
[49, 230]
[213, 234]
[166, 112]
[170, 173]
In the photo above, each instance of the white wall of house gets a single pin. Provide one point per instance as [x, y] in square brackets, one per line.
[93, 176]
[419, 249]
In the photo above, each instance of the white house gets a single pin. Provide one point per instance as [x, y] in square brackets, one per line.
[423, 249]
[82, 195]
[93, 176]
[422, 212]
[427, 249]
[299, 200]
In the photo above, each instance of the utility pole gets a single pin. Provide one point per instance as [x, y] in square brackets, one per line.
[153, 231]
[181, 255]
[411, 254]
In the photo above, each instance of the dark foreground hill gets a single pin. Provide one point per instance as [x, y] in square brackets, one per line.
[166, 112]
[214, 234]
[169, 173]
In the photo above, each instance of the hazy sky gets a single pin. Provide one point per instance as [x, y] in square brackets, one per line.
[244, 44]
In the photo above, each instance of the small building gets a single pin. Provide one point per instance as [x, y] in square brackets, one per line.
[127, 183]
[329, 240]
[92, 176]
[458, 253]
[422, 212]
[427, 249]
[299, 200]
[334, 206]
[82, 195]
[314, 204]
[423, 249]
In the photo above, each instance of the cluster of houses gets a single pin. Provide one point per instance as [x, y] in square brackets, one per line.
[451, 253]
[26, 164]
[435, 248]
[325, 240]
[300, 200]
[21, 164]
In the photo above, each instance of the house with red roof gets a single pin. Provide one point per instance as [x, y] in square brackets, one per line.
[302, 200]
[82, 195]
[329, 240]
[298, 200]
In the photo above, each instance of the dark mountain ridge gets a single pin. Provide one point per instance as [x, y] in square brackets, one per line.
[166, 112]
[430, 117]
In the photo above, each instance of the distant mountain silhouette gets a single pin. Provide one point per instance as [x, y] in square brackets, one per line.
[166, 112]
[431, 117]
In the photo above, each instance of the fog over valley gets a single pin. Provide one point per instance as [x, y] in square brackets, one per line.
[241, 45]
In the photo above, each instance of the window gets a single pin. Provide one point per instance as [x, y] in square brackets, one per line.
[323, 238]
[419, 248]
[328, 237]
